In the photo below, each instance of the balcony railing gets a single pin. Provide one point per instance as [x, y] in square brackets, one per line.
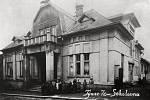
[40, 39]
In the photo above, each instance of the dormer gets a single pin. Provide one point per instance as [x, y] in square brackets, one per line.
[85, 18]
[129, 21]
[16, 40]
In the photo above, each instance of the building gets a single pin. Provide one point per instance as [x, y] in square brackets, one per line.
[61, 46]
[1, 67]
[145, 69]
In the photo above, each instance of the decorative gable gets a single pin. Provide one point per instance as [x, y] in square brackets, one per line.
[45, 13]
[46, 17]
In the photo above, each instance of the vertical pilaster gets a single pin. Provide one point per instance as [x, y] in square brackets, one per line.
[59, 67]
[49, 65]
[82, 64]
[14, 66]
[4, 67]
[74, 64]
[25, 67]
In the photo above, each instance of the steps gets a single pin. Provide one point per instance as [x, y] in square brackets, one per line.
[36, 88]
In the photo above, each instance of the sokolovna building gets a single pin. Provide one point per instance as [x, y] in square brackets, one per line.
[61, 46]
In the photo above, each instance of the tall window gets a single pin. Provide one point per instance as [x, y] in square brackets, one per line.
[86, 64]
[130, 72]
[33, 68]
[21, 68]
[19, 65]
[131, 48]
[122, 60]
[78, 64]
[9, 71]
[54, 30]
[9, 67]
[41, 38]
[71, 65]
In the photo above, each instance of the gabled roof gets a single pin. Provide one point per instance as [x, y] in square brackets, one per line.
[145, 60]
[14, 44]
[121, 16]
[97, 20]
[17, 38]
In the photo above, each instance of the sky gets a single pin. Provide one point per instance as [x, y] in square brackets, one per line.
[16, 16]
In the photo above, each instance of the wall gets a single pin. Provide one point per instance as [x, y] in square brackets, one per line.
[123, 46]
[1, 66]
[100, 68]
[15, 56]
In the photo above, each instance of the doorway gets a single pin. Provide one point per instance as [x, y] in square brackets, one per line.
[131, 71]
[41, 62]
[56, 55]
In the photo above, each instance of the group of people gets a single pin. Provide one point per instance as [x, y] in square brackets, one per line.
[60, 86]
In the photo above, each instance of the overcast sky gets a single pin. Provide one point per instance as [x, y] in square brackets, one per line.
[16, 16]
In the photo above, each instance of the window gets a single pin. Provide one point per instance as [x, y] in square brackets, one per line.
[41, 32]
[131, 49]
[86, 37]
[71, 65]
[54, 30]
[136, 72]
[48, 30]
[130, 71]
[78, 66]
[132, 29]
[33, 68]
[37, 39]
[74, 39]
[9, 71]
[122, 60]
[33, 40]
[9, 66]
[80, 38]
[21, 67]
[41, 38]
[86, 64]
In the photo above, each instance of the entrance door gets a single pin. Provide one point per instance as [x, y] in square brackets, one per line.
[130, 72]
[55, 64]
[41, 60]
[121, 75]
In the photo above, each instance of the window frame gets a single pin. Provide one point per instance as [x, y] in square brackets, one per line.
[9, 69]
[71, 71]
[78, 63]
[86, 61]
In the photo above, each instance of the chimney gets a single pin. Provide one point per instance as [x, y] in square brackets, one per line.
[79, 10]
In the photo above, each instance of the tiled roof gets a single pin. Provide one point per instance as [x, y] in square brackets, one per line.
[98, 21]
[15, 44]
[145, 60]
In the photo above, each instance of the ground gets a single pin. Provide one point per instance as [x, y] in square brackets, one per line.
[21, 95]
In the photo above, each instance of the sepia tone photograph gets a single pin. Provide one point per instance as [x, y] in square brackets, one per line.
[74, 49]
